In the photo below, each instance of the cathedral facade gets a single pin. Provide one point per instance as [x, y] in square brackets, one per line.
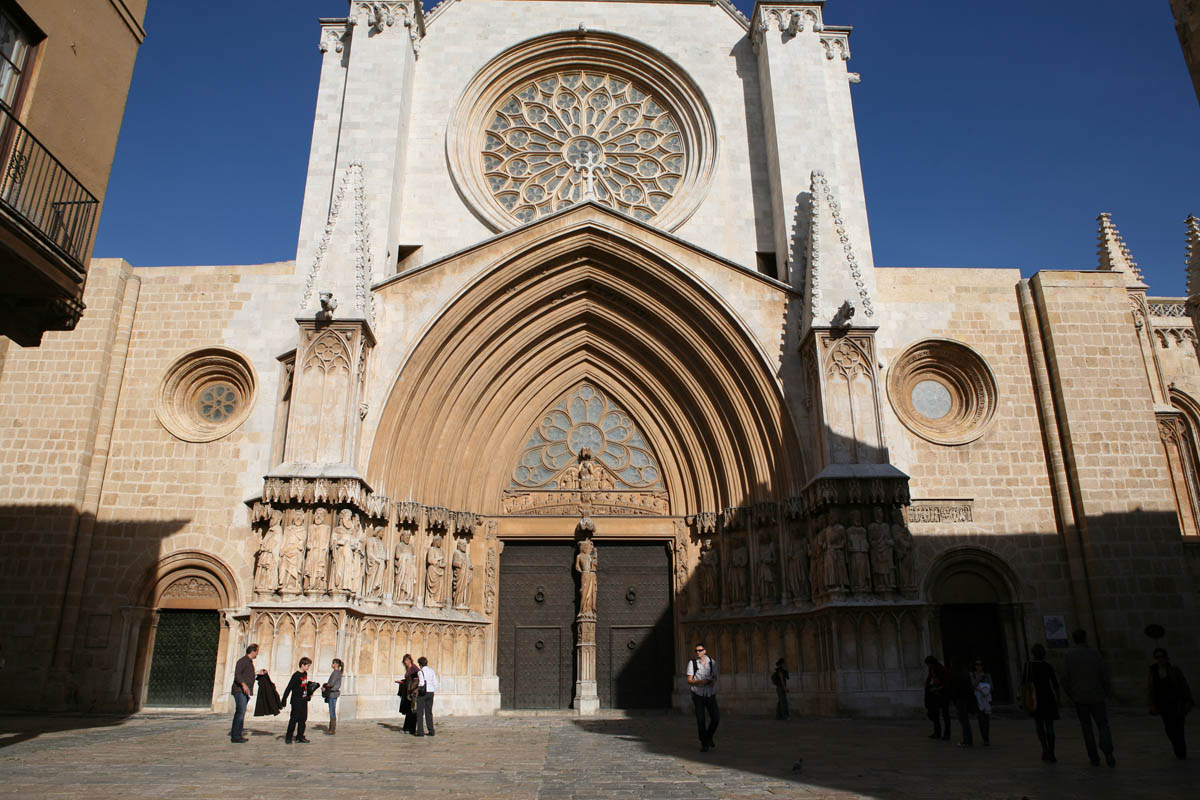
[584, 358]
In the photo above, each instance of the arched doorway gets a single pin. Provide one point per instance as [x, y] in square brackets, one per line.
[975, 596]
[187, 595]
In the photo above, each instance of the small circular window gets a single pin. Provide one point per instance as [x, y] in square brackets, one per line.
[943, 391]
[206, 394]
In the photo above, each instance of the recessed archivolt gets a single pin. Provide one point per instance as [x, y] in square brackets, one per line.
[586, 305]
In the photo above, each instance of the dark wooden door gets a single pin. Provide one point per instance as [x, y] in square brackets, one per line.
[972, 631]
[185, 659]
[634, 650]
[535, 626]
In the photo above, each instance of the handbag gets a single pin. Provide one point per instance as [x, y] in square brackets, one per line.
[1029, 700]
[405, 705]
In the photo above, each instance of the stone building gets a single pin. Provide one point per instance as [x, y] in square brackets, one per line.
[1187, 25]
[64, 77]
[584, 357]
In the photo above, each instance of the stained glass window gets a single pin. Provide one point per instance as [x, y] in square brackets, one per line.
[552, 138]
[586, 419]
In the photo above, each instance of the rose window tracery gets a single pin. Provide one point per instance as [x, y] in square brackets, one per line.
[561, 137]
[218, 402]
[582, 424]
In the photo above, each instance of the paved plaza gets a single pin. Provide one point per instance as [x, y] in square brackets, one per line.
[160, 755]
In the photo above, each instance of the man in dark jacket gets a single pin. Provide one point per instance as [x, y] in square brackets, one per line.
[301, 691]
[243, 682]
[1171, 698]
[1087, 682]
[937, 699]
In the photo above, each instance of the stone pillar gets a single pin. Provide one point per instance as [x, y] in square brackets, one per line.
[1193, 276]
[587, 701]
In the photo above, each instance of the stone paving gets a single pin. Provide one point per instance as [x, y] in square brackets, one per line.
[161, 755]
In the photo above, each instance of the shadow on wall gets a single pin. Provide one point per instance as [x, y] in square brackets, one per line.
[67, 585]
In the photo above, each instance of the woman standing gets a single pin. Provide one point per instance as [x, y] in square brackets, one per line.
[1040, 675]
[408, 685]
[1170, 698]
[982, 682]
[333, 690]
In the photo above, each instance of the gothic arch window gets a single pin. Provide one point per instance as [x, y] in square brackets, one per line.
[1181, 437]
[586, 425]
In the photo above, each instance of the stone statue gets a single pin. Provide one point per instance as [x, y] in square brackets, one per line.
[266, 565]
[902, 542]
[461, 571]
[376, 562]
[836, 578]
[586, 563]
[291, 555]
[883, 568]
[435, 573]
[587, 474]
[816, 557]
[797, 566]
[343, 550]
[357, 567]
[739, 560]
[316, 562]
[405, 590]
[707, 571]
[768, 560]
[570, 478]
[860, 564]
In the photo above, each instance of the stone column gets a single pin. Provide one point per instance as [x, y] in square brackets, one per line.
[587, 701]
[1193, 276]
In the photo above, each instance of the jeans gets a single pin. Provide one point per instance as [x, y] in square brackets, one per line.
[709, 705]
[964, 708]
[781, 706]
[239, 714]
[333, 708]
[1045, 734]
[1098, 712]
[1173, 724]
[425, 713]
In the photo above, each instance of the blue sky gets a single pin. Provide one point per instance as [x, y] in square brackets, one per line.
[992, 135]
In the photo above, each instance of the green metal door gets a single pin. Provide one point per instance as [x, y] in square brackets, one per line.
[185, 658]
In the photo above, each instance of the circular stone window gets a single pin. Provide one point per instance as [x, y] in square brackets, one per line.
[943, 391]
[206, 394]
[572, 116]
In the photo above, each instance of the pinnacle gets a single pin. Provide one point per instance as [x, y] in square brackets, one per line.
[1193, 254]
[1113, 252]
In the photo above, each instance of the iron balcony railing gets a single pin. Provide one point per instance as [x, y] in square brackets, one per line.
[36, 187]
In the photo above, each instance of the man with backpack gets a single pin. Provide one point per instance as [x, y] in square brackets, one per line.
[702, 680]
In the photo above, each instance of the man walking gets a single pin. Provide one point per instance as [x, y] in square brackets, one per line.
[427, 684]
[243, 687]
[702, 679]
[1087, 682]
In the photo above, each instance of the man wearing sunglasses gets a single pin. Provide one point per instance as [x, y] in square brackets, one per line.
[702, 679]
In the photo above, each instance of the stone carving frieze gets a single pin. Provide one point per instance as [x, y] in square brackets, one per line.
[940, 511]
[567, 503]
[337, 491]
[190, 588]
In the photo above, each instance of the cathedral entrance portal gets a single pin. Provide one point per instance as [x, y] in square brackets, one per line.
[538, 605]
[185, 656]
[538, 591]
[634, 652]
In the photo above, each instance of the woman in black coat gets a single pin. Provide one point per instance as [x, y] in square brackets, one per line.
[1040, 675]
[1170, 698]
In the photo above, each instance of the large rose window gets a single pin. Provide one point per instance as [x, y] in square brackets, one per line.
[578, 114]
[565, 136]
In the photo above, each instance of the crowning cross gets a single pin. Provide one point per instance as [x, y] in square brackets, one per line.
[590, 163]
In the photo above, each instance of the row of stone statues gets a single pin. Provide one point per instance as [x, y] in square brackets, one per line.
[831, 558]
[303, 552]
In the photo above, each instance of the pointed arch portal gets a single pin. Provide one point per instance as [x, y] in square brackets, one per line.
[587, 305]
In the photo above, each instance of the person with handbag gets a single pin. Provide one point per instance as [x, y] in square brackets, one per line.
[1040, 698]
[982, 683]
[301, 691]
[1170, 698]
[426, 687]
[331, 691]
[937, 700]
[408, 694]
[962, 694]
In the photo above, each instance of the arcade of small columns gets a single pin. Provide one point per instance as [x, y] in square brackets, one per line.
[341, 571]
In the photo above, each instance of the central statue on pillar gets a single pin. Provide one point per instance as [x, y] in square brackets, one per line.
[587, 701]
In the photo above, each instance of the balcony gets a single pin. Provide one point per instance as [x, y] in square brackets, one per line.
[47, 221]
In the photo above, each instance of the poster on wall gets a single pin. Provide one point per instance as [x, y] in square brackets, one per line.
[1055, 626]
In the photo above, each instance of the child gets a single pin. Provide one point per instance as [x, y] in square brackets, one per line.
[301, 691]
